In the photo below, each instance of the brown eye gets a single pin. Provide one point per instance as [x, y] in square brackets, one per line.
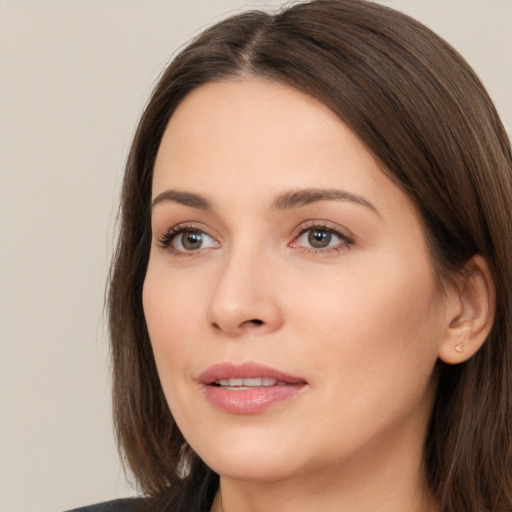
[319, 238]
[189, 240]
[322, 239]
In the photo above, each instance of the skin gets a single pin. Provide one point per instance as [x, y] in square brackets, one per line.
[362, 320]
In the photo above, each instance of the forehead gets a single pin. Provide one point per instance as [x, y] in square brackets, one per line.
[251, 131]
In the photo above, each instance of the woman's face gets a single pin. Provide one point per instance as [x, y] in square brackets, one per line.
[289, 297]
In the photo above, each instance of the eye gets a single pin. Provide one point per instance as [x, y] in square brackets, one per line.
[191, 240]
[321, 239]
[186, 240]
[318, 238]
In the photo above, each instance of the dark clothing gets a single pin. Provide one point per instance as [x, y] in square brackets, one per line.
[121, 505]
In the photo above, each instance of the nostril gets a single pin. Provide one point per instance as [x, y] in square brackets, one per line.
[256, 322]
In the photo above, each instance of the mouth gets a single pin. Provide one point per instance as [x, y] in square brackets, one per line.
[247, 375]
[248, 388]
[241, 383]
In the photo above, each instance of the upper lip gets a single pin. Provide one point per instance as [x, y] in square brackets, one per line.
[248, 370]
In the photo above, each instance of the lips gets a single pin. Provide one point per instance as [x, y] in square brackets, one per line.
[226, 371]
[249, 383]
[248, 388]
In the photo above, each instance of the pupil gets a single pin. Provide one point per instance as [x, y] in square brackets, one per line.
[192, 240]
[319, 239]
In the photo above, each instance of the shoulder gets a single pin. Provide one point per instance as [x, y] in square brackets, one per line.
[121, 505]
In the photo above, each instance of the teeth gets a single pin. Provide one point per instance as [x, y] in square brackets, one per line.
[251, 382]
[248, 383]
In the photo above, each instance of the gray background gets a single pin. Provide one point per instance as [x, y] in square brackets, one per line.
[74, 76]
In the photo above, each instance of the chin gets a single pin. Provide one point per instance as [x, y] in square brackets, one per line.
[249, 460]
[253, 471]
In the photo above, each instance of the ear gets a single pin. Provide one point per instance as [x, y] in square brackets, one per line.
[470, 310]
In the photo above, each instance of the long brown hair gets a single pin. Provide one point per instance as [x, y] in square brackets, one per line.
[420, 109]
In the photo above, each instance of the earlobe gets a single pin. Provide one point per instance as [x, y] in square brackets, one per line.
[471, 313]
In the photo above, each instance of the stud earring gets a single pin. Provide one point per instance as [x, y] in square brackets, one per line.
[459, 348]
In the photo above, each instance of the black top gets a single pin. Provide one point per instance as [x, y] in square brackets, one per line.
[121, 505]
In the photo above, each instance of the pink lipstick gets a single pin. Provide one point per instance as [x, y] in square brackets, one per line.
[248, 388]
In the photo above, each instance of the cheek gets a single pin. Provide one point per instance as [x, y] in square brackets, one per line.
[172, 317]
[373, 321]
[371, 346]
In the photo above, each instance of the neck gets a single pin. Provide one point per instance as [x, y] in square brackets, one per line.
[321, 496]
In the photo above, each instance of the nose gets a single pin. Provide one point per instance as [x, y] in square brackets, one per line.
[246, 296]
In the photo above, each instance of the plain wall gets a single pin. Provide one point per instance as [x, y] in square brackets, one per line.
[74, 76]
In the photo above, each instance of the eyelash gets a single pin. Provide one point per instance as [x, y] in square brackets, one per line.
[346, 240]
[166, 240]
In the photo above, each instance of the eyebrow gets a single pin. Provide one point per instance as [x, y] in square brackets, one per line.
[303, 197]
[185, 198]
[284, 201]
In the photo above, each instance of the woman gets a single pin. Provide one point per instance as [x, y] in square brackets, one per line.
[310, 300]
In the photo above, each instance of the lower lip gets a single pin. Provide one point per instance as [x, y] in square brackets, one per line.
[250, 401]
